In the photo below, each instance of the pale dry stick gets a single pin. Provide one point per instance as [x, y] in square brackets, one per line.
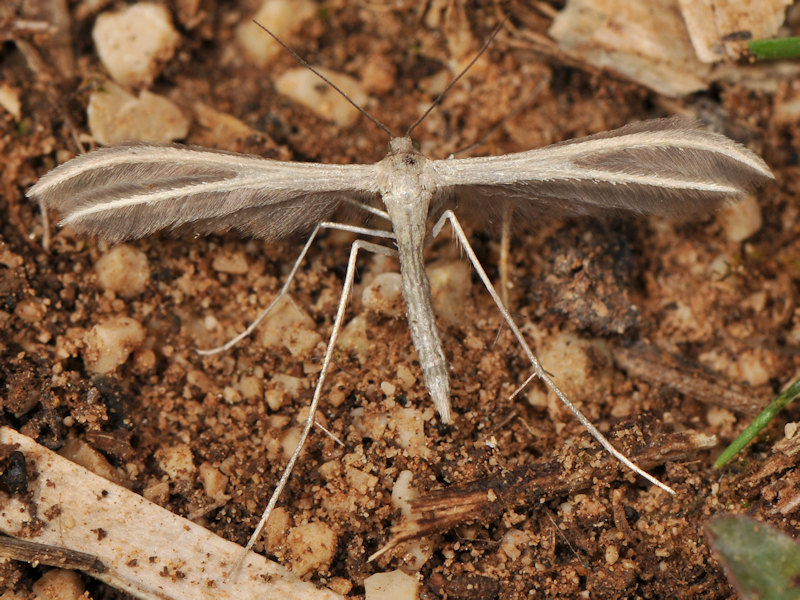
[143, 549]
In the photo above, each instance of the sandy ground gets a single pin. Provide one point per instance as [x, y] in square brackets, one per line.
[684, 330]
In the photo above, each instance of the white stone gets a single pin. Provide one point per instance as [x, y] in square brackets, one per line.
[403, 492]
[176, 461]
[354, 337]
[384, 295]
[277, 529]
[59, 584]
[513, 543]
[9, 100]
[115, 116]
[288, 326]
[409, 428]
[214, 482]
[741, 220]
[135, 42]
[645, 41]
[359, 480]
[108, 344]
[304, 87]
[450, 287]
[709, 21]
[123, 270]
[233, 263]
[570, 358]
[283, 18]
[394, 585]
[84, 455]
[313, 546]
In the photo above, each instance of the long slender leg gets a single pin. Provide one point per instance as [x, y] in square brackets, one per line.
[324, 225]
[337, 326]
[448, 215]
[368, 209]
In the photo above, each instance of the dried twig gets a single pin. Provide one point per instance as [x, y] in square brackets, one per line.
[487, 499]
[145, 549]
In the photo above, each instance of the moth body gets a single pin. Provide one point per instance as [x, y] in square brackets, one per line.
[407, 183]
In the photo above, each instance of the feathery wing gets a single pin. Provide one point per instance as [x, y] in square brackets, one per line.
[664, 167]
[130, 191]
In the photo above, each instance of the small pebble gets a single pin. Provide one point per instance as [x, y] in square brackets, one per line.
[283, 17]
[277, 529]
[360, 481]
[176, 461]
[451, 283]
[108, 344]
[214, 482]
[409, 428]
[59, 584]
[274, 399]
[394, 585]
[115, 116]
[379, 75]
[9, 100]
[249, 387]
[741, 220]
[384, 295]
[84, 455]
[303, 86]
[572, 359]
[144, 361]
[313, 547]
[403, 492]
[157, 493]
[30, 310]
[135, 42]
[234, 263]
[288, 326]
[513, 542]
[293, 386]
[123, 270]
[353, 338]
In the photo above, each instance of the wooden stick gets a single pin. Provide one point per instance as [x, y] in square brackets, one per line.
[147, 551]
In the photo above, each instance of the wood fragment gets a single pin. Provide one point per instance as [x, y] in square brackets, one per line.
[654, 365]
[487, 499]
[33, 553]
[147, 551]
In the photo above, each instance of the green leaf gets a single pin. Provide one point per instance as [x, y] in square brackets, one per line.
[760, 561]
[775, 48]
[761, 421]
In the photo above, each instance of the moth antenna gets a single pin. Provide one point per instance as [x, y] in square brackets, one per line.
[306, 64]
[441, 96]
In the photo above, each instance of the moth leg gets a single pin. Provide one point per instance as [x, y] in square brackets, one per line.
[369, 209]
[312, 410]
[284, 290]
[539, 372]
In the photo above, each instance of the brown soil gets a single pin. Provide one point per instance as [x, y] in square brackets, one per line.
[624, 282]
